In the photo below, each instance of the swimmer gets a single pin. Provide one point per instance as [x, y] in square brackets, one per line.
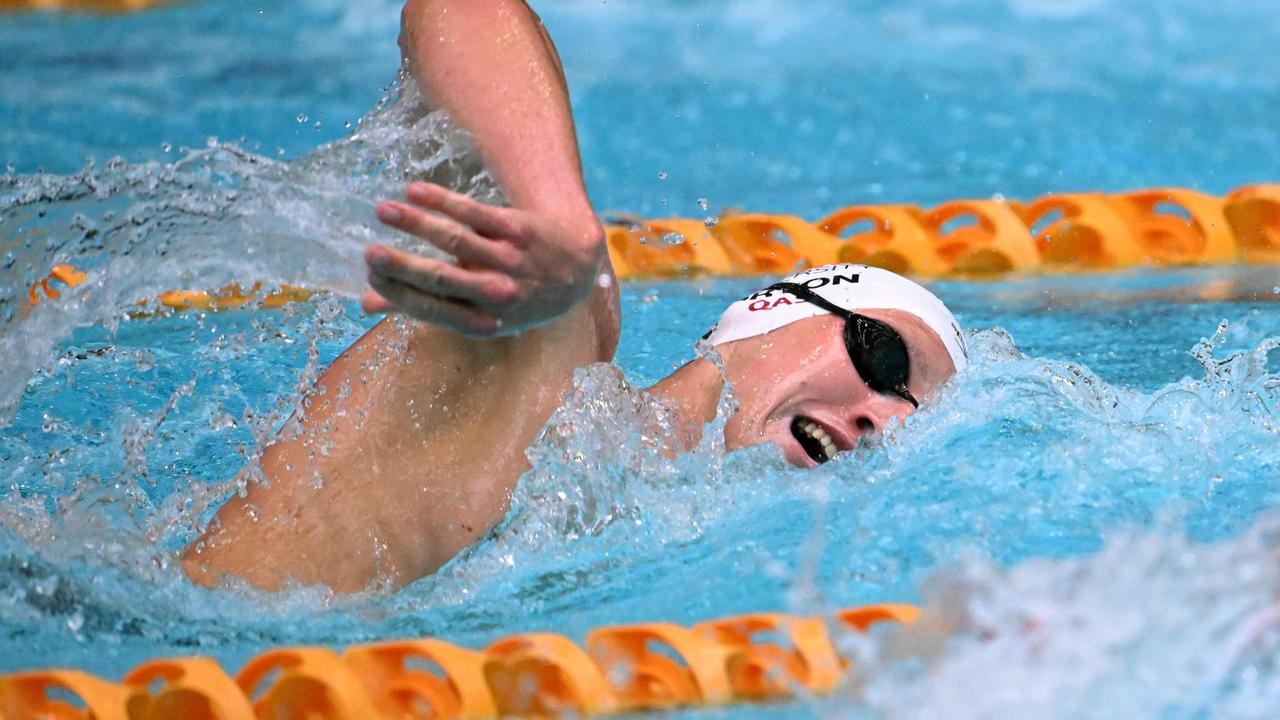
[412, 440]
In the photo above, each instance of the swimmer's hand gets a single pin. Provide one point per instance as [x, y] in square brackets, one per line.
[515, 269]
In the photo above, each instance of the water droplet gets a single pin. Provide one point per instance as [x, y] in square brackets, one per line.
[703, 203]
[166, 147]
[1276, 290]
[662, 174]
[145, 361]
[75, 621]
[317, 126]
[301, 118]
[347, 125]
[673, 238]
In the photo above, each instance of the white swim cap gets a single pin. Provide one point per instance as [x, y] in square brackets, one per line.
[852, 287]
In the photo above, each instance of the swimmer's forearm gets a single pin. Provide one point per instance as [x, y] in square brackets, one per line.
[491, 66]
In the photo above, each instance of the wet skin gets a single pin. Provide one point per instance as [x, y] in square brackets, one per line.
[803, 370]
[412, 442]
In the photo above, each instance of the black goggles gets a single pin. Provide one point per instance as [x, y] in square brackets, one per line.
[878, 352]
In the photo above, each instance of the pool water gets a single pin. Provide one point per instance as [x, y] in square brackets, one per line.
[1087, 513]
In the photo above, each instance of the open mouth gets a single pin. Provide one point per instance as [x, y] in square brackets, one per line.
[815, 440]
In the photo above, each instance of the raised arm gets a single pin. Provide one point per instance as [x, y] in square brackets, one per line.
[491, 66]
[410, 445]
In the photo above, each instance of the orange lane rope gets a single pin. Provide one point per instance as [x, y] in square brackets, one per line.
[621, 669]
[976, 239]
[969, 238]
[103, 6]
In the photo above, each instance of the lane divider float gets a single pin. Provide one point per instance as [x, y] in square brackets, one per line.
[621, 669]
[971, 239]
[99, 6]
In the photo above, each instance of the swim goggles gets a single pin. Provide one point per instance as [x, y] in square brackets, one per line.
[878, 352]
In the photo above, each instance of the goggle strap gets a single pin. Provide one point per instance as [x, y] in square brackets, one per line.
[808, 295]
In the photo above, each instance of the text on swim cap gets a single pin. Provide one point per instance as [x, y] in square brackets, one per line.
[811, 283]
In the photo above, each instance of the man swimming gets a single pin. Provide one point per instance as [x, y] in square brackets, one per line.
[412, 440]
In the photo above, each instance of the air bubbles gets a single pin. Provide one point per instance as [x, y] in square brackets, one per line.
[166, 147]
[662, 174]
[302, 118]
[317, 126]
[672, 238]
[704, 204]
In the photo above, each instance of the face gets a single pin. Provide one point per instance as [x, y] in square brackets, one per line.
[798, 389]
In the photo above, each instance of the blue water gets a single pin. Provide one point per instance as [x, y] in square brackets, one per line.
[1085, 513]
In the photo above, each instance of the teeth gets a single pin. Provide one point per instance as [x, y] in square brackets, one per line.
[816, 432]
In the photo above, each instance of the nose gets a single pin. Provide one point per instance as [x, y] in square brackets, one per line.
[874, 411]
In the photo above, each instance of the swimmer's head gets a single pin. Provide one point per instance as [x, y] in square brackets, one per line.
[833, 354]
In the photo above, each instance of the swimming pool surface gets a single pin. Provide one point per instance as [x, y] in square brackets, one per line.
[1089, 508]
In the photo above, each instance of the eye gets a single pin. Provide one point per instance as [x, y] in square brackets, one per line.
[887, 354]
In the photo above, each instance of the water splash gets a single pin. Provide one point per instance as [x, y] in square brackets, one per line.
[1153, 626]
[218, 215]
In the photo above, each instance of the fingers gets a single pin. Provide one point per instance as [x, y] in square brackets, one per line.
[391, 294]
[449, 236]
[443, 279]
[488, 220]
[373, 303]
